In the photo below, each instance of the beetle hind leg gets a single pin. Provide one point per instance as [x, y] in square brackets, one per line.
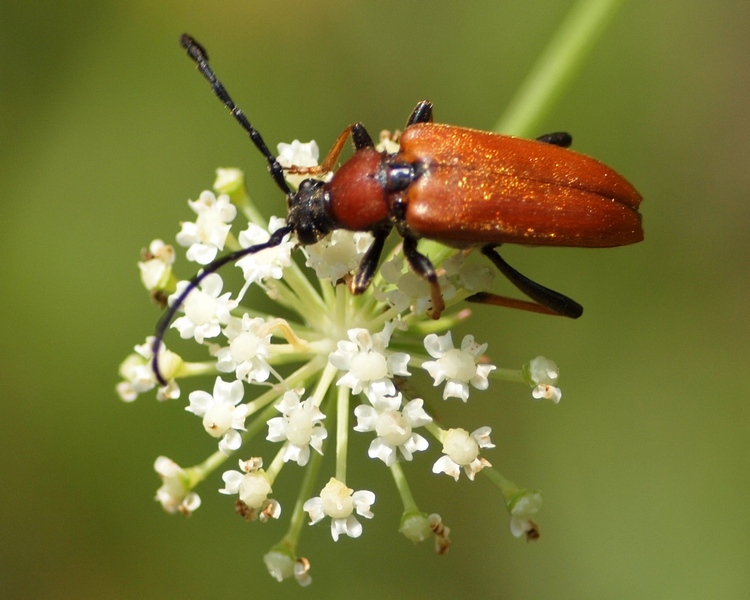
[549, 299]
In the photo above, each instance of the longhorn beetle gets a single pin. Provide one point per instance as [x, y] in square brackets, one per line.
[461, 187]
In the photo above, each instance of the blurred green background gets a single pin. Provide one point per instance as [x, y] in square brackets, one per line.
[107, 130]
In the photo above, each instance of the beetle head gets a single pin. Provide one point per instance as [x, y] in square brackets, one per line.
[308, 212]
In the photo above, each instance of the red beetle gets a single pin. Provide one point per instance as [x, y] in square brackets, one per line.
[458, 186]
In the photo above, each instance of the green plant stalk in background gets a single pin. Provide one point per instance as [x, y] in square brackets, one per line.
[556, 66]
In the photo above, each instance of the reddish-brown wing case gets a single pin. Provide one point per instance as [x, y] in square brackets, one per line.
[482, 187]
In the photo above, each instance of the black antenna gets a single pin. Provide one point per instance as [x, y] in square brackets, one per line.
[200, 56]
[163, 324]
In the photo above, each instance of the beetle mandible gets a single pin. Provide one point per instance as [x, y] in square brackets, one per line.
[458, 186]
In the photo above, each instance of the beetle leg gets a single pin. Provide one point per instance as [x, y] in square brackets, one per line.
[508, 302]
[548, 298]
[422, 266]
[369, 263]
[421, 114]
[360, 138]
[559, 138]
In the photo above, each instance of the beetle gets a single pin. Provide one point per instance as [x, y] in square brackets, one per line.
[458, 186]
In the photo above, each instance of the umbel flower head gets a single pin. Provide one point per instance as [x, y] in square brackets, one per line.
[335, 365]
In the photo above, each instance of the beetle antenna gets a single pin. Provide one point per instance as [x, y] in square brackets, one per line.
[165, 320]
[200, 56]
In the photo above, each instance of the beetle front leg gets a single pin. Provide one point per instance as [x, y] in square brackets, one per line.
[555, 301]
[422, 266]
[369, 263]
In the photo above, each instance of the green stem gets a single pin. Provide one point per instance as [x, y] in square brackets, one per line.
[557, 66]
[342, 432]
[508, 489]
[305, 491]
[276, 464]
[403, 488]
[514, 375]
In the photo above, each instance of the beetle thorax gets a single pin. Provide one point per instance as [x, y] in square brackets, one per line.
[357, 196]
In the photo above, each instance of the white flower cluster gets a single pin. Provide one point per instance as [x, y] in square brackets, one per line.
[285, 378]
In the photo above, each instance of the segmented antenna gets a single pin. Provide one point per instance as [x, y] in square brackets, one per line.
[200, 56]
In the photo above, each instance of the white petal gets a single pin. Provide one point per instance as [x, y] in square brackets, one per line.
[385, 452]
[276, 429]
[232, 481]
[397, 362]
[444, 464]
[200, 402]
[435, 369]
[456, 389]
[363, 500]
[367, 417]
[353, 527]
[231, 441]
[415, 414]
[314, 508]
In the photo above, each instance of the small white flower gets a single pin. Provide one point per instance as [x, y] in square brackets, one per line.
[138, 375]
[283, 566]
[393, 427]
[248, 350]
[368, 366]
[410, 289]
[457, 367]
[300, 426]
[544, 372]
[270, 262]
[461, 450]
[388, 142]
[228, 180]
[205, 310]
[174, 493]
[208, 234]
[338, 254]
[156, 266]
[223, 415]
[253, 487]
[298, 154]
[522, 509]
[468, 275]
[339, 502]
